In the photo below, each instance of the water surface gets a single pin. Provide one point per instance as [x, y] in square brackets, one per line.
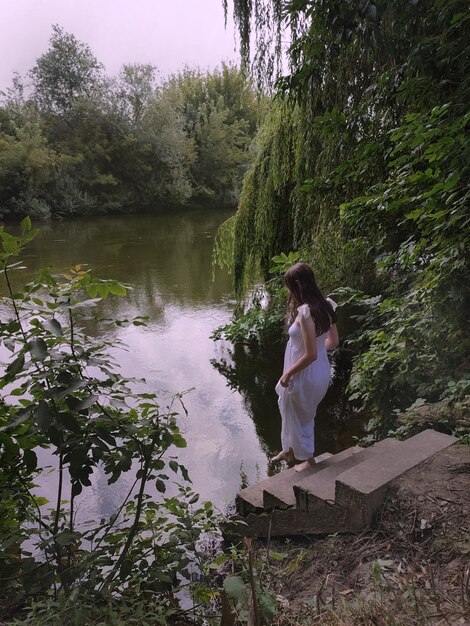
[233, 424]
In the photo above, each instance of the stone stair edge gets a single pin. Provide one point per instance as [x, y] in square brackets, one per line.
[273, 491]
[370, 470]
[309, 486]
[252, 496]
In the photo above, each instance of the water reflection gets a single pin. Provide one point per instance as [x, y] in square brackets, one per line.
[167, 257]
[254, 370]
[233, 422]
[168, 261]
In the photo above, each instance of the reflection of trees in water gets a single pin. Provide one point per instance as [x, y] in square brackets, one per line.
[253, 371]
[167, 258]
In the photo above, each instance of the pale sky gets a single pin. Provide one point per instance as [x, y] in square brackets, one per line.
[166, 33]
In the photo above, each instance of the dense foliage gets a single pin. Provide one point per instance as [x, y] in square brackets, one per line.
[364, 166]
[70, 422]
[63, 395]
[74, 141]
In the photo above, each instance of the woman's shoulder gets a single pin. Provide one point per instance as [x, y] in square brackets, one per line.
[303, 311]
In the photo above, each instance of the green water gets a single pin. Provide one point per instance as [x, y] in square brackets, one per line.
[233, 424]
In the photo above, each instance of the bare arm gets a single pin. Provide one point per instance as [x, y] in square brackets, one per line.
[307, 326]
[332, 338]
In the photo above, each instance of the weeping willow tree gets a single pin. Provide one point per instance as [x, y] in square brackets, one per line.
[363, 165]
[326, 114]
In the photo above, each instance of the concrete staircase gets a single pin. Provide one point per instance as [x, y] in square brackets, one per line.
[341, 493]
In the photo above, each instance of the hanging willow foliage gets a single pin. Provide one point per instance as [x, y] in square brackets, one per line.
[364, 166]
[356, 69]
[259, 25]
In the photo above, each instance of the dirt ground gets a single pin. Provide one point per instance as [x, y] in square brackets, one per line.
[412, 568]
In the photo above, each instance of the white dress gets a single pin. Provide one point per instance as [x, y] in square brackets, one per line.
[299, 400]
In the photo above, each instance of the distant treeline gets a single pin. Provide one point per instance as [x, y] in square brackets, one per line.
[74, 141]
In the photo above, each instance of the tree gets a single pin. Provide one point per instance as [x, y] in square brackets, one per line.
[137, 84]
[169, 151]
[27, 167]
[124, 144]
[363, 165]
[221, 113]
[66, 72]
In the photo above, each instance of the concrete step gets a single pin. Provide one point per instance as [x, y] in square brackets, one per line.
[314, 492]
[342, 493]
[250, 499]
[280, 494]
[362, 488]
[289, 522]
[323, 457]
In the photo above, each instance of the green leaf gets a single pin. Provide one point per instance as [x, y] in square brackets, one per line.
[54, 436]
[65, 538]
[85, 280]
[16, 366]
[30, 235]
[43, 417]
[38, 348]
[69, 422]
[161, 487]
[235, 589]
[76, 488]
[87, 402]
[10, 245]
[105, 436]
[126, 569]
[53, 326]
[179, 441]
[103, 291]
[20, 418]
[31, 460]
[25, 225]
[268, 605]
[40, 500]
[185, 474]
[92, 290]
[117, 289]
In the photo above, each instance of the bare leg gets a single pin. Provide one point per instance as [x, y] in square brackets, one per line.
[304, 465]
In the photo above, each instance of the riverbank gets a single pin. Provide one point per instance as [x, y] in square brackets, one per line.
[411, 568]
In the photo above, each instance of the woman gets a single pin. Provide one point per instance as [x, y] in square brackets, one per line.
[306, 374]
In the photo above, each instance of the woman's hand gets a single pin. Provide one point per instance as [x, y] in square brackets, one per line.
[332, 338]
[284, 380]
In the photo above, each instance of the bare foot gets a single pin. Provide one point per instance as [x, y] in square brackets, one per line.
[284, 456]
[300, 467]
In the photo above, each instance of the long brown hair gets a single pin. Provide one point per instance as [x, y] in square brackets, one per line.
[303, 289]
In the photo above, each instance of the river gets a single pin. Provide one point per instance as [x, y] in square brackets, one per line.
[233, 424]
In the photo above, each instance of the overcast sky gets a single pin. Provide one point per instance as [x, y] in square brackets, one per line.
[165, 33]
